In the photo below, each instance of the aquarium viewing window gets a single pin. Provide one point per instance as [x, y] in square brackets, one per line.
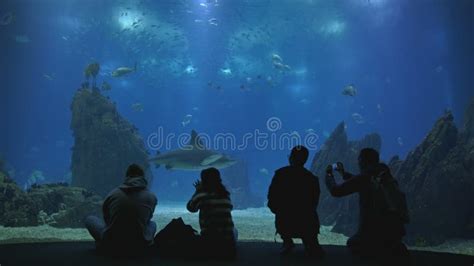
[343, 128]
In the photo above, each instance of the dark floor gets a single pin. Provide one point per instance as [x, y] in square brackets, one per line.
[250, 253]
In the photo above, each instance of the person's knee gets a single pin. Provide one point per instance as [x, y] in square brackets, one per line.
[353, 241]
[90, 221]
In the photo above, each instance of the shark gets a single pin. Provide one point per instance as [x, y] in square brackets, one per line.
[192, 157]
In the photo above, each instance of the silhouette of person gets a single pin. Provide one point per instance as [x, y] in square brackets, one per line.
[127, 212]
[293, 197]
[378, 234]
[218, 236]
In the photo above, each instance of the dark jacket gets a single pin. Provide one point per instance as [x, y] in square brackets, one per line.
[293, 197]
[371, 224]
[127, 211]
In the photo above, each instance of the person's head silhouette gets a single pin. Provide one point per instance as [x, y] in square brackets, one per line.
[368, 160]
[134, 170]
[212, 182]
[210, 177]
[299, 155]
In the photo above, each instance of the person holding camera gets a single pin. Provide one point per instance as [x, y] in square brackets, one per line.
[381, 227]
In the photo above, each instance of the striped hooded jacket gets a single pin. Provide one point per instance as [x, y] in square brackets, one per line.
[215, 216]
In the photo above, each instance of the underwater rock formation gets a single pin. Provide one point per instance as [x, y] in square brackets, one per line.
[105, 143]
[236, 180]
[340, 212]
[438, 178]
[16, 207]
[54, 204]
[62, 206]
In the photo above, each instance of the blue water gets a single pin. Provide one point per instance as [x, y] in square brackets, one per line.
[414, 59]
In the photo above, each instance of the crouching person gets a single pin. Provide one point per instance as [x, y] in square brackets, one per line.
[293, 197]
[218, 236]
[126, 227]
[382, 207]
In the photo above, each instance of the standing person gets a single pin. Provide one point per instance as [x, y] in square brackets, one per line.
[127, 211]
[212, 200]
[382, 207]
[293, 197]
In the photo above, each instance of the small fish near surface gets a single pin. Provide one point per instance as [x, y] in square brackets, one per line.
[122, 71]
[49, 76]
[279, 64]
[192, 157]
[358, 118]
[263, 171]
[187, 120]
[349, 90]
[213, 21]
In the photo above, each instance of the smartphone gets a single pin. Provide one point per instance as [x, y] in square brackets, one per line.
[334, 166]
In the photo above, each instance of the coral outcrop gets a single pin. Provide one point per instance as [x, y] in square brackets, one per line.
[17, 208]
[57, 205]
[62, 206]
[340, 212]
[236, 180]
[438, 178]
[105, 143]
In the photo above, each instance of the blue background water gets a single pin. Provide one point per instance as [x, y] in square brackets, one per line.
[413, 58]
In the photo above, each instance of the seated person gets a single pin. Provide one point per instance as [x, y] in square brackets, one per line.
[293, 197]
[380, 231]
[127, 211]
[212, 200]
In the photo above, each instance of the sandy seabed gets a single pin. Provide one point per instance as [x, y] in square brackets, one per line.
[255, 224]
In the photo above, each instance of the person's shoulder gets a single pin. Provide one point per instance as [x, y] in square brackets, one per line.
[149, 194]
[114, 192]
[284, 169]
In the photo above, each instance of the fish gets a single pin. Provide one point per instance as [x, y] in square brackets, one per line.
[190, 69]
[226, 71]
[192, 157]
[137, 107]
[282, 67]
[305, 101]
[186, 120]
[400, 141]
[263, 171]
[48, 77]
[22, 39]
[358, 118]
[349, 90]
[122, 71]
[6, 19]
[213, 21]
[276, 58]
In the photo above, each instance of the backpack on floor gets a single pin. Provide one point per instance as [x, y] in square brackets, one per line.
[176, 239]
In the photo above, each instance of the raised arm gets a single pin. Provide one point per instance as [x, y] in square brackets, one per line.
[350, 185]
